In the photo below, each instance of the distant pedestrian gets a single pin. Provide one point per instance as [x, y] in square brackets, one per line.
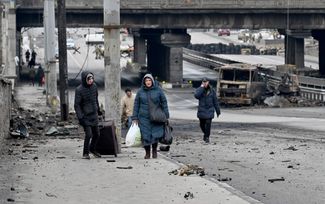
[208, 103]
[40, 75]
[32, 75]
[97, 51]
[27, 56]
[31, 63]
[87, 109]
[151, 132]
[127, 103]
[34, 56]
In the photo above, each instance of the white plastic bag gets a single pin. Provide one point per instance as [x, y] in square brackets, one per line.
[133, 137]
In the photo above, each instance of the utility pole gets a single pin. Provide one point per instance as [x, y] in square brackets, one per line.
[49, 59]
[62, 38]
[112, 64]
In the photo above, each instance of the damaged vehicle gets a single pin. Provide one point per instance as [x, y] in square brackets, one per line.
[283, 80]
[240, 84]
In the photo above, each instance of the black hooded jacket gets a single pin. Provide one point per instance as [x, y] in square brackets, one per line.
[86, 102]
[208, 102]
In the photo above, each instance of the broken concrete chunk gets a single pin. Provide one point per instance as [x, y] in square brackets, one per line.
[276, 101]
[52, 131]
[21, 131]
[40, 119]
[188, 195]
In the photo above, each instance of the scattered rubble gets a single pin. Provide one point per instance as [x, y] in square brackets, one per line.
[50, 195]
[276, 179]
[277, 101]
[187, 170]
[223, 179]
[188, 195]
[291, 148]
[31, 123]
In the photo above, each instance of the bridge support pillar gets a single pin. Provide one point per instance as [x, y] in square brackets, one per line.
[289, 50]
[165, 56]
[321, 53]
[300, 52]
[320, 36]
[139, 49]
[295, 47]
[174, 57]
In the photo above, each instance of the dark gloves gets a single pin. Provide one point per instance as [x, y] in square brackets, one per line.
[99, 112]
[218, 113]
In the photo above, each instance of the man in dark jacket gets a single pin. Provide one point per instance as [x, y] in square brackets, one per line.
[208, 103]
[87, 109]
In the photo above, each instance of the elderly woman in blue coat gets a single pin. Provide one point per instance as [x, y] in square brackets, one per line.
[151, 132]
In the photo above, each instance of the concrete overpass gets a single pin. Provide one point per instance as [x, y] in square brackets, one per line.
[160, 25]
[182, 14]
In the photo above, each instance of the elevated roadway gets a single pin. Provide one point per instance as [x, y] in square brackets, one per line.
[254, 14]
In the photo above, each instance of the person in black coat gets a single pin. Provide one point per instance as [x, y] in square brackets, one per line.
[39, 75]
[208, 103]
[27, 55]
[87, 109]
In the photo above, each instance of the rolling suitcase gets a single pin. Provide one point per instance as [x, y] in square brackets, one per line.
[107, 142]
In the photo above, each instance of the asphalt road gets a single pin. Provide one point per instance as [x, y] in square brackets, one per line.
[250, 145]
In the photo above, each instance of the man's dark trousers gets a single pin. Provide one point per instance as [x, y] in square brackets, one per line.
[92, 132]
[205, 125]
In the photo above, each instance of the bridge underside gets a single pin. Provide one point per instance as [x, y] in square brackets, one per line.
[182, 19]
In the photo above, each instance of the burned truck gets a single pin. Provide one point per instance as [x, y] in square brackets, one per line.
[240, 84]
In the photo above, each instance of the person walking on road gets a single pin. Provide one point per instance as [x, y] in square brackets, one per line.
[208, 103]
[151, 132]
[40, 76]
[127, 103]
[34, 56]
[87, 109]
[32, 75]
[27, 56]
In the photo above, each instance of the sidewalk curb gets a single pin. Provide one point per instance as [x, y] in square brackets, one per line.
[220, 184]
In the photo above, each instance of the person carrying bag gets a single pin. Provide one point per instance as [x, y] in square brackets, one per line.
[151, 131]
